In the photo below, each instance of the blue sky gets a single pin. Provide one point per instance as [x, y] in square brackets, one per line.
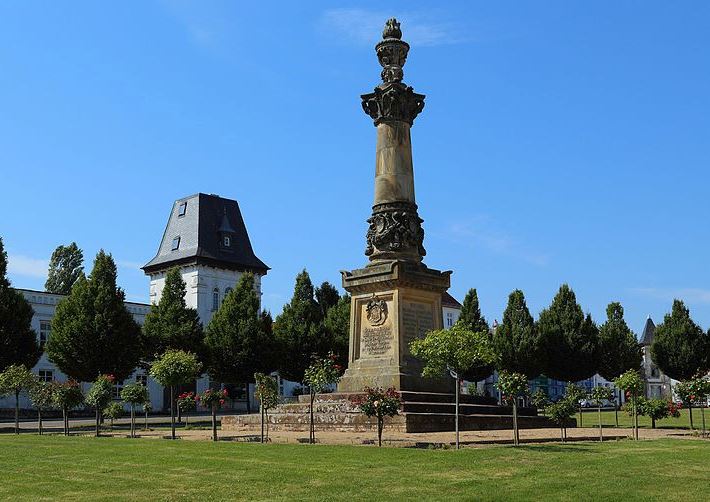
[560, 142]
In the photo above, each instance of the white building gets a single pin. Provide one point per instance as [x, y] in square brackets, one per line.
[656, 383]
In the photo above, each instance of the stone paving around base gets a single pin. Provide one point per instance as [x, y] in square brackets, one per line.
[435, 439]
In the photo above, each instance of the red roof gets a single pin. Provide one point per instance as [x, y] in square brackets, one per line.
[449, 301]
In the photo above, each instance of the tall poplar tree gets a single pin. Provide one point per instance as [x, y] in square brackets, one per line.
[92, 331]
[18, 341]
[679, 346]
[619, 350]
[171, 324]
[299, 331]
[569, 339]
[65, 268]
[516, 341]
[237, 341]
[471, 319]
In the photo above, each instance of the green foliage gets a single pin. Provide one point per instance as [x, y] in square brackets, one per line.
[113, 410]
[187, 401]
[65, 268]
[266, 390]
[655, 409]
[569, 338]
[42, 395]
[92, 332]
[175, 367]
[337, 328]
[321, 373]
[512, 385]
[575, 393]
[686, 393]
[456, 349]
[619, 349]
[134, 393]
[680, 348]
[561, 411]
[472, 319]
[516, 341]
[212, 398]
[600, 394]
[327, 297]
[18, 341]
[380, 403]
[540, 399]
[236, 340]
[171, 324]
[630, 381]
[15, 379]
[101, 392]
[299, 331]
[699, 387]
[67, 395]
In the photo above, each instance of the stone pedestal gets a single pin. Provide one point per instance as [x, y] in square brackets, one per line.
[393, 303]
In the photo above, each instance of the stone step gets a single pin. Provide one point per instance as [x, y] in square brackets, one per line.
[464, 409]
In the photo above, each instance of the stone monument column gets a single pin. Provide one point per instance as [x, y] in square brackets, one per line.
[395, 297]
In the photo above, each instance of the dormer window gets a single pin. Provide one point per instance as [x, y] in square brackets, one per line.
[176, 243]
[182, 209]
[227, 241]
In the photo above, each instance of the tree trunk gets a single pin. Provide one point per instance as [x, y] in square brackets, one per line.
[457, 413]
[515, 422]
[266, 414]
[65, 423]
[690, 413]
[172, 411]
[653, 422]
[214, 422]
[702, 414]
[146, 418]
[39, 420]
[262, 424]
[312, 438]
[380, 426]
[601, 433]
[17, 412]
[98, 418]
[580, 416]
[248, 400]
[133, 420]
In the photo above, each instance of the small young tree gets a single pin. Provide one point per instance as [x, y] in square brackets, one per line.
[560, 413]
[512, 386]
[18, 341]
[213, 400]
[656, 409]
[99, 396]
[175, 367]
[599, 395]
[631, 383]
[700, 388]
[65, 268]
[41, 395]
[576, 394]
[113, 411]
[147, 408]
[66, 396]
[687, 397]
[679, 346]
[134, 394]
[187, 402]
[379, 403]
[319, 376]
[451, 352]
[267, 392]
[14, 380]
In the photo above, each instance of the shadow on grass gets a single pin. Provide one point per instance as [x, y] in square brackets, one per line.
[557, 448]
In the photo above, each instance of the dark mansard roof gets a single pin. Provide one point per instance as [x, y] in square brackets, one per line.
[195, 234]
[649, 330]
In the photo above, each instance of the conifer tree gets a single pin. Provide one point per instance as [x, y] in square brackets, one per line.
[299, 331]
[65, 268]
[516, 341]
[327, 297]
[92, 331]
[337, 327]
[237, 343]
[619, 350]
[171, 324]
[680, 347]
[471, 319]
[18, 341]
[569, 339]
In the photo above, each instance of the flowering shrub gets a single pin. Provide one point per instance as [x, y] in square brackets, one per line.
[213, 399]
[380, 404]
[187, 401]
[631, 383]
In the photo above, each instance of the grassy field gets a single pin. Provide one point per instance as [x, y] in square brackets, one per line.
[590, 419]
[85, 468]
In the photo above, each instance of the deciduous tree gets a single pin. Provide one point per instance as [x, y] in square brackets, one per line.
[134, 394]
[14, 380]
[99, 396]
[65, 268]
[42, 397]
[92, 331]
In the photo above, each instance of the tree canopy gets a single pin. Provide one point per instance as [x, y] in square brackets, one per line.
[65, 268]
[619, 349]
[18, 341]
[680, 346]
[92, 331]
[516, 340]
[337, 327]
[171, 324]
[569, 339]
[471, 319]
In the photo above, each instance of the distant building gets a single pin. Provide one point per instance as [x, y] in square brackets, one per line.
[451, 309]
[656, 384]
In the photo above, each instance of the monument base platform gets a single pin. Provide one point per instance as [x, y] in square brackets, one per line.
[421, 412]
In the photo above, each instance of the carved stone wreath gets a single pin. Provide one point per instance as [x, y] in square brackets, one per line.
[376, 311]
[395, 228]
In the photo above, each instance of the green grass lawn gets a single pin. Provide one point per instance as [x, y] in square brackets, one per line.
[590, 419]
[86, 468]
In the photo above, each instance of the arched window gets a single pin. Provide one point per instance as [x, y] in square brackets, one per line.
[215, 299]
[226, 292]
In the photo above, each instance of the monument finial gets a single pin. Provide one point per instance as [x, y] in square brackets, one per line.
[392, 29]
[392, 52]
